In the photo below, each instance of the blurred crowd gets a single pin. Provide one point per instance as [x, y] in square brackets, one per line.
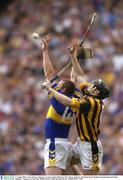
[23, 105]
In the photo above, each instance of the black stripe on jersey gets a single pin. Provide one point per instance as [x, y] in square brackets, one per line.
[85, 107]
[88, 127]
[81, 128]
[94, 115]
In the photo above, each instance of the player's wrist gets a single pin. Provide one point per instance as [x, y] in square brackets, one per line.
[45, 49]
[72, 54]
[73, 57]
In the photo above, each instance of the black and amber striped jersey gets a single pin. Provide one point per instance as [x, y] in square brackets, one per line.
[89, 110]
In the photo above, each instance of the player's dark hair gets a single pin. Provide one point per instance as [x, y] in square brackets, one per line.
[68, 87]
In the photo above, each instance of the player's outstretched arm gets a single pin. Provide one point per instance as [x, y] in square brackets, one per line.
[60, 97]
[48, 67]
[78, 71]
[73, 76]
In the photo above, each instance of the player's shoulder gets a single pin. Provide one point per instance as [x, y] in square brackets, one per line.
[77, 93]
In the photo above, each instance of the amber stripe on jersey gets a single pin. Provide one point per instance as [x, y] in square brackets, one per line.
[88, 121]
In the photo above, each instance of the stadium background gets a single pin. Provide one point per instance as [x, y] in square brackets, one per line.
[23, 105]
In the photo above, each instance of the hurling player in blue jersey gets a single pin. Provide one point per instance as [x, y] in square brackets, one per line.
[58, 150]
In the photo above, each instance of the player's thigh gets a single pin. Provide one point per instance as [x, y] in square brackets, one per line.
[53, 171]
[61, 157]
[73, 170]
[90, 172]
[84, 150]
[68, 171]
[64, 152]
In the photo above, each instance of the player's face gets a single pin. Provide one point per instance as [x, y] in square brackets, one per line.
[92, 90]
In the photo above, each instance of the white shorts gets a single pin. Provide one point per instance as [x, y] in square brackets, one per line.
[60, 156]
[83, 150]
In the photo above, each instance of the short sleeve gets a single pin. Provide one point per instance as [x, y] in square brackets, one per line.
[75, 104]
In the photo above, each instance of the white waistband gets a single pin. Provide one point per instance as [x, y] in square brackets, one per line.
[58, 140]
[87, 142]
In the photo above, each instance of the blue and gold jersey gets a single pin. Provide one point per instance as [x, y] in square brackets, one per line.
[59, 118]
